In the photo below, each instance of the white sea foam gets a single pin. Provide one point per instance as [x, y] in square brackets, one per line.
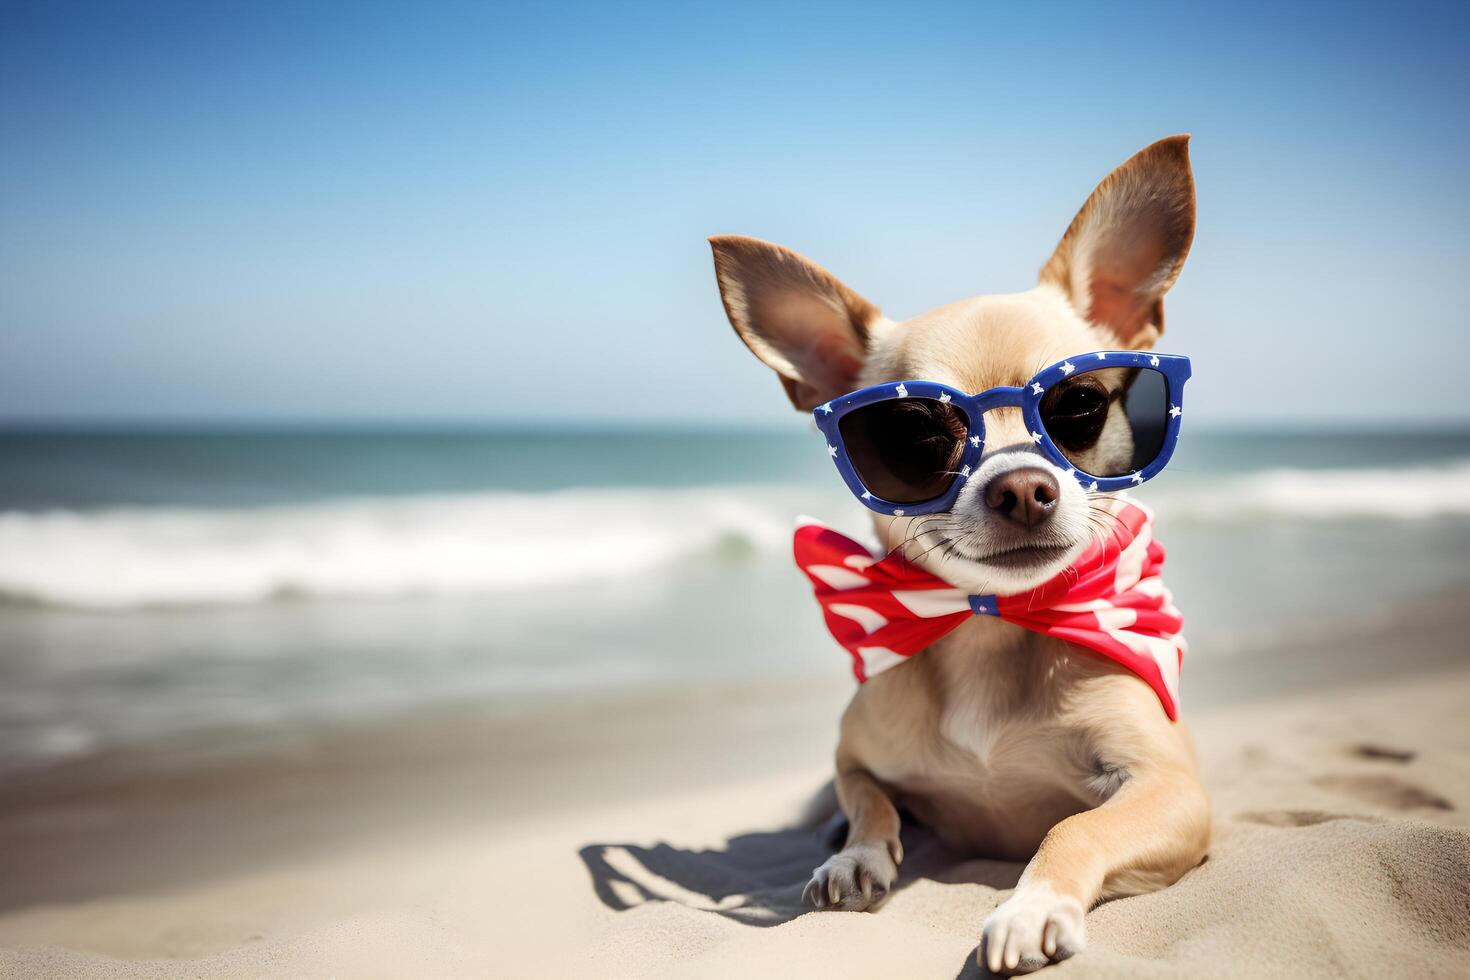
[381, 547]
[499, 542]
[1407, 493]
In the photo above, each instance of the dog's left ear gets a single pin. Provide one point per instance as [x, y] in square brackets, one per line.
[1127, 245]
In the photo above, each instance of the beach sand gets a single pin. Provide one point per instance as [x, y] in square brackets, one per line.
[661, 835]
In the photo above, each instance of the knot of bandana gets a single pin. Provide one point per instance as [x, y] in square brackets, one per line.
[1111, 601]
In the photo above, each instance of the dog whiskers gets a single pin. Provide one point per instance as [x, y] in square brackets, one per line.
[912, 536]
[943, 542]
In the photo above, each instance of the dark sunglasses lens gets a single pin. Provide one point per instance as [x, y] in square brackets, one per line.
[1109, 422]
[906, 449]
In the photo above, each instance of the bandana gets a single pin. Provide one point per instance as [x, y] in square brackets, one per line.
[1111, 601]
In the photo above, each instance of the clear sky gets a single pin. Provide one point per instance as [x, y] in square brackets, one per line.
[451, 211]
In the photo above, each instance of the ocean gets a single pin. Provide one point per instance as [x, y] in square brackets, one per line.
[169, 586]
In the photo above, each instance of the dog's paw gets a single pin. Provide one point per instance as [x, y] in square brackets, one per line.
[1032, 928]
[855, 879]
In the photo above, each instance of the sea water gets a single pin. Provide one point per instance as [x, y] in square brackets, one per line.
[157, 585]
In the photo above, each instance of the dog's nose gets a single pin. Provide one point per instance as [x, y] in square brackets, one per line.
[1027, 495]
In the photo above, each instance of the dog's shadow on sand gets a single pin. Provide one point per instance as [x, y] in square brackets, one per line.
[757, 878]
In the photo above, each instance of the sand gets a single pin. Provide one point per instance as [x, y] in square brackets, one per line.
[661, 835]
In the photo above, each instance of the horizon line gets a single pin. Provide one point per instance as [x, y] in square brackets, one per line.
[330, 425]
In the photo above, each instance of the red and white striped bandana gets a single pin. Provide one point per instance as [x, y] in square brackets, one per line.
[1111, 601]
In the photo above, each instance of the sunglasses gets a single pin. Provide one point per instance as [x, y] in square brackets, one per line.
[1110, 419]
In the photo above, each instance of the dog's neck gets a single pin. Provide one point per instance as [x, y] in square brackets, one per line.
[999, 665]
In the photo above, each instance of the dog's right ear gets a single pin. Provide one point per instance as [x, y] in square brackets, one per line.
[795, 316]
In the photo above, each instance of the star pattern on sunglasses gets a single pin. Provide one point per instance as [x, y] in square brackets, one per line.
[968, 410]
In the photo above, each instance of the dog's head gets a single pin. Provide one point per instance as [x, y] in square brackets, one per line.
[1018, 518]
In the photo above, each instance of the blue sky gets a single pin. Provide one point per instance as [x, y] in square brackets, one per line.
[451, 211]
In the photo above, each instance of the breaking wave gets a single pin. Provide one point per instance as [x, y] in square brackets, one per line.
[500, 542]
[1404, 493]
[463, 544]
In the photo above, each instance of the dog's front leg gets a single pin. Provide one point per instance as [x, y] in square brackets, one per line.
[859, 877]
[1155, 828]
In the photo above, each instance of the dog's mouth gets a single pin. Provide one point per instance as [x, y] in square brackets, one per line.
[1018, 558]
[1026, 557]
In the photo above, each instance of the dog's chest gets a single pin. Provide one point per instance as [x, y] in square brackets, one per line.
[989, 758]
[971, 741]
[972, 731]
[989, 783]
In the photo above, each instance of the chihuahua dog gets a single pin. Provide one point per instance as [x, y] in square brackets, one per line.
[1005, 742]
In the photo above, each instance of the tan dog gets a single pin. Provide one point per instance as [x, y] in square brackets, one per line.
[1004, 742]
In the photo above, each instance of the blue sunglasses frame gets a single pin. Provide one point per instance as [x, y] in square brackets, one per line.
[1175, 369]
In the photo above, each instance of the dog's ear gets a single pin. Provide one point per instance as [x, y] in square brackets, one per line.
[795, 316]
[1127, 245]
